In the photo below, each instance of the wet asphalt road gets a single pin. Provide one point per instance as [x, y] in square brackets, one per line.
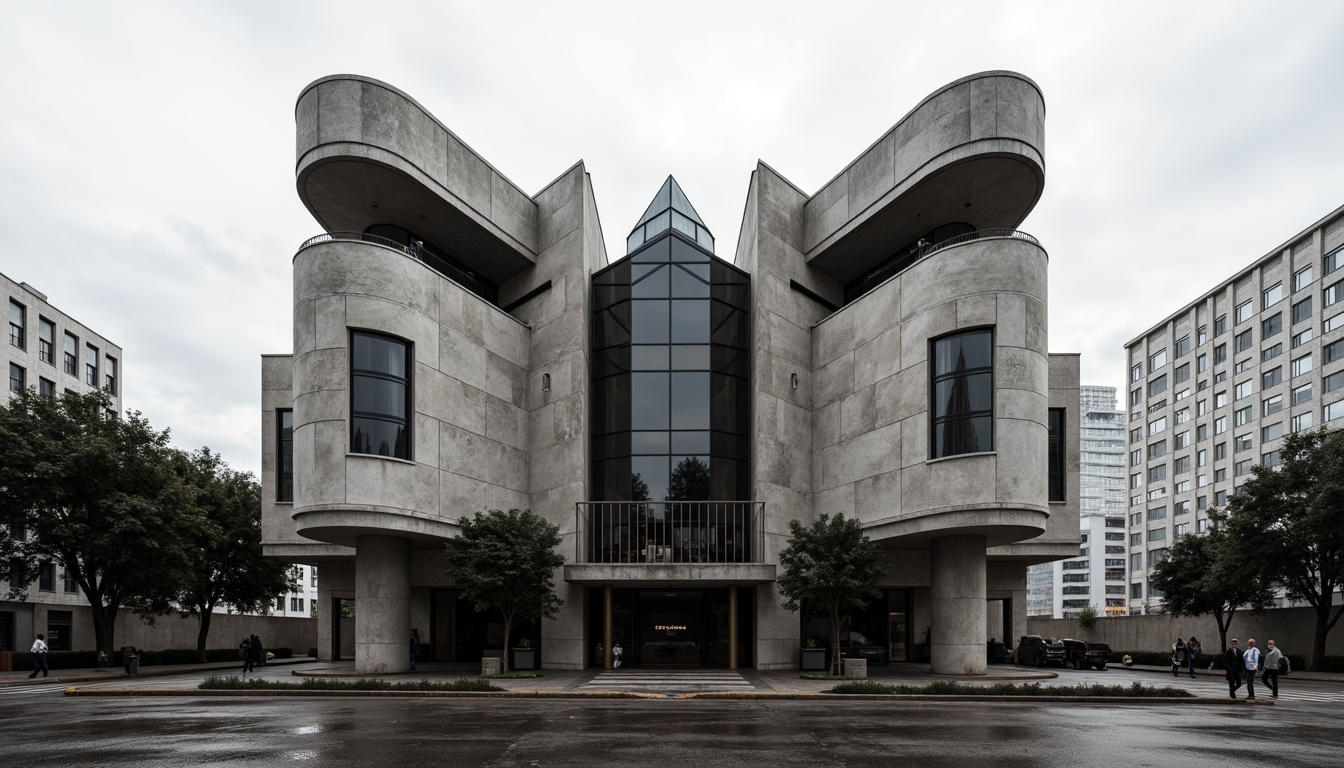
[403, 733]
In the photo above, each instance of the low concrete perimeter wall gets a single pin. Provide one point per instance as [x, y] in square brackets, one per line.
[226, 630]
[1291, 629]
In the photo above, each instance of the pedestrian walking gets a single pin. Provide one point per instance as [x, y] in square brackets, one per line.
[1192, 651]
[39, 651]
[245, 648]
[1232, 667]
[415, 648]
[1270, 675]
[1177, 657]
[258, 652]
[616, 653]
[1250, 661]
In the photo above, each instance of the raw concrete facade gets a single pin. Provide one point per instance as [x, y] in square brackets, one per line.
[850, 289]
[1214, 388]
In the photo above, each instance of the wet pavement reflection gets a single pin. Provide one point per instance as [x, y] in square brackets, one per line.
[61, 731]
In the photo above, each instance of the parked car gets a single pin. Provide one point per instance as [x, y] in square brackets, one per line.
[1031, 650]
[1096, 655]
[1055, 654]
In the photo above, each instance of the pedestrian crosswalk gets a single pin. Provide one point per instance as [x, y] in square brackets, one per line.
[668, 681]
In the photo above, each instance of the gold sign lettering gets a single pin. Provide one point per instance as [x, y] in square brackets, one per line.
[670, 627]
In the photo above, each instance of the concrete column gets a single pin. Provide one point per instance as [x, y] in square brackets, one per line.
[957, 597]
[382, 604]
[607, 631]
[732, 627]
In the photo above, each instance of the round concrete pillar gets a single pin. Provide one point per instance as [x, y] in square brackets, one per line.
[957, 596]
[382, 604]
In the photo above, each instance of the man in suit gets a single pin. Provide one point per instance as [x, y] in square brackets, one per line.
[1232, 665]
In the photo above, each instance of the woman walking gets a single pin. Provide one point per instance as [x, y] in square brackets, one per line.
[1177, 657]
[1192, 651]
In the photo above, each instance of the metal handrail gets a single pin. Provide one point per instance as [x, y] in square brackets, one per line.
[922, 251]
[660, 532]
[418, 252]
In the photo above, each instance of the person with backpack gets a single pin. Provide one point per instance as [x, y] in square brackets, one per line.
[1177, 657]
[1250, 661]
[1273, 659]
[1232, 668]
[1192, 651]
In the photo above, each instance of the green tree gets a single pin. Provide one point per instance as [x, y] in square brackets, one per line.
[226, 562]
[506, 561]
[1290, 521]
[830, 565]
[1209, 575]
[96, 494]
[1087, 618]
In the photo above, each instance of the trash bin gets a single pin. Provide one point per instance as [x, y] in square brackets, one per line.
[133, 665]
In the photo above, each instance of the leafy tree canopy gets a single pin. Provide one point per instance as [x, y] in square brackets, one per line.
[1291, 518]
[96, 495]
[507, 561]
[831, 565]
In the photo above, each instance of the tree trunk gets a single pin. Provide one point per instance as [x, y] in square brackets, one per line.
[837, 665]
[1323, 623]
[203, 634]
[1223, 624]
[508, 626]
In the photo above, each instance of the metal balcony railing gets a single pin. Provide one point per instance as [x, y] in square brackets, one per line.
[658, 532]
[418, 252]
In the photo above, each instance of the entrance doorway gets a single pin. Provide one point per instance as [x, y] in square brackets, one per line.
[342, 628]
[672, 627]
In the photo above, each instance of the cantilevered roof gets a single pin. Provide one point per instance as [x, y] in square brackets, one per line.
[670, 209]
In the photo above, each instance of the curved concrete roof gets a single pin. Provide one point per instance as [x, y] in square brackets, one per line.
[972, 151]
[368, 154]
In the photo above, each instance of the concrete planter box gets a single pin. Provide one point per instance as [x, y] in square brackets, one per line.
[812, 659]
[524, 658]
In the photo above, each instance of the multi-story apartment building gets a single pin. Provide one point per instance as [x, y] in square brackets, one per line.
[1214, 387]
[1097, 576]
[47, 350]
[877, 348]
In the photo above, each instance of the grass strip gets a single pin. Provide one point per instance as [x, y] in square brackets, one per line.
[231, 683]
[1137, 690]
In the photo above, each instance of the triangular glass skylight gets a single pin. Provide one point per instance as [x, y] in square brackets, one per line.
[670, 209]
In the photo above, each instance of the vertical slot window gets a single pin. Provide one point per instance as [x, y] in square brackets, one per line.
[963, 394]
[380, 403]
[284, 455]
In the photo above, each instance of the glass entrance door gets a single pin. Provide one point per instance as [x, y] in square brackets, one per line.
[671, 628]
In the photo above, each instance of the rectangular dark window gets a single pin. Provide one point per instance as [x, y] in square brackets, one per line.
[1182, 347]
[45, 387]
[1334, 293]
[1333, 260]
[1056, 460]
[1333, 351]
[1271, 325]
[1220, 325]
[18, 324]
[1220, 354]
[1272, 295]
[1244, 311]
[71, 355]
[68, 584]
[380, 401]
[1271, 378]
[962, 390]
[1302, 278]
[1243, 341]
[46, 341]
[1181, 374]
[284, 455]
[1328, 384]
[91, 365]
[18, 378]
[1157, 386]
[110, 376]
[46, 577]
[1302, 310]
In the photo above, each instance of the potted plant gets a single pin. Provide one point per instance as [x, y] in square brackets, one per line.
[812, 656]
[524, 655]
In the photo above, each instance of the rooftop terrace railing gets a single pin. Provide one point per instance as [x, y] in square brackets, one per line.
[922, 251]
[418, 252]
[657, 532]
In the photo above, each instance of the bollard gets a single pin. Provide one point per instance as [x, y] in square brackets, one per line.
[489, 666]
[856, 669]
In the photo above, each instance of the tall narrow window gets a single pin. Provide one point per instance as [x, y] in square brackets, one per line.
[18, 325]
[379, 395]
[1056, 461]
[91, 365]
[111, 376]
[284, 455]
[18, 379]
[71, 355]
[963, 394]
[46, 341]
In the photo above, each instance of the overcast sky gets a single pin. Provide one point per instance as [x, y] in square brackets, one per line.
[147, 149]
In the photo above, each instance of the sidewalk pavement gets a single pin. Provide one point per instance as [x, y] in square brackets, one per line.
[90, 674]
[1319, 677]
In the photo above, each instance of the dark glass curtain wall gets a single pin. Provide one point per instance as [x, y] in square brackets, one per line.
[670, 375]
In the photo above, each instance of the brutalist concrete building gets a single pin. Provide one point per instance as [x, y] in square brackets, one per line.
[1214, 388]
[876, 348]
